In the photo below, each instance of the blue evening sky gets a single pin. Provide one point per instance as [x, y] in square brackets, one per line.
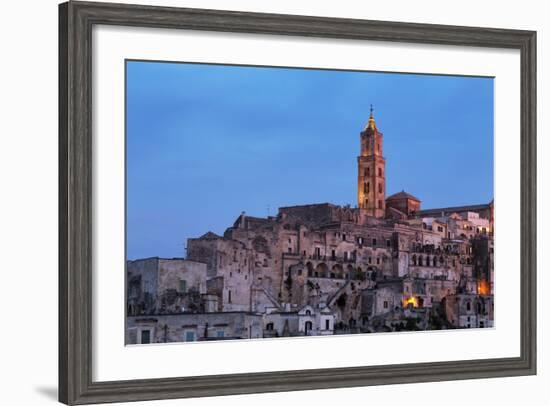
[206, 142]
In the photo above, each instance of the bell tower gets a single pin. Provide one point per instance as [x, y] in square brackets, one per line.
[371, 175]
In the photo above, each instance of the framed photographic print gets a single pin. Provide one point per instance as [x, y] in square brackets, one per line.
[259, 202]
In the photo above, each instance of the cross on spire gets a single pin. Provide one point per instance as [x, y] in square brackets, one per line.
[371, 109]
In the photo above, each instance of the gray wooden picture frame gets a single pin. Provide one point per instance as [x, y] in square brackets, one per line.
[76, 20]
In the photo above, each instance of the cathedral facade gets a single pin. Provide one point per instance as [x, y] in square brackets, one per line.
[321, 269]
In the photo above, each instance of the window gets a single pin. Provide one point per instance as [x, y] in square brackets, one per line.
[370, 260]
[379, 171]
[183, 286]
[333, 254]
[220, 333]
[289, 241]
[360, 240]
[289, 250]
[380, 203]
[145, 336]
[378, 261]
[229, 296]
[345, 255]
[343, 237]
[379, 188]
[269, 326]
[385, 304]
[318, 251]
[190, 336]
[308, 312]
[367, 190]
[366, 202]
[374, 242]
[388, 243]
[308, 327]
[468, 308]
[327, 324]
[367, 171]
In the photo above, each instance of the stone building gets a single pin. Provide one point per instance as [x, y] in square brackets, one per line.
[383, 265]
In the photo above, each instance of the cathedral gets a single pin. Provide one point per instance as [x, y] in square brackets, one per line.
[384, 265]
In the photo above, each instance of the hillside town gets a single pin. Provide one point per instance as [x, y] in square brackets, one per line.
[384, 265]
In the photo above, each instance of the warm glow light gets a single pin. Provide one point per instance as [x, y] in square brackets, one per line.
[412, 300]
[483, 287]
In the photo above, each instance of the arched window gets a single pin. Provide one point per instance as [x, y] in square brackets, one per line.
[269, 326]
[367, 171]
[379, 171]
[414, 260]
[367, 188]
[468, 306]
[308, 312]
[420, 262]
[428, 260]
[435, 261]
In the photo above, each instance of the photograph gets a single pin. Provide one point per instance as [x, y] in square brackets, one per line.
[270, 202]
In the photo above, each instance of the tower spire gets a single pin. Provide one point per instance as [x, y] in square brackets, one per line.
[371, 124]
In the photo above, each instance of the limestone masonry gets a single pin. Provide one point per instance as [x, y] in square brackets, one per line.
[322, 269]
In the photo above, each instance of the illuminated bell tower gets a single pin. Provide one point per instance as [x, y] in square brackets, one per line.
[371, 176]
